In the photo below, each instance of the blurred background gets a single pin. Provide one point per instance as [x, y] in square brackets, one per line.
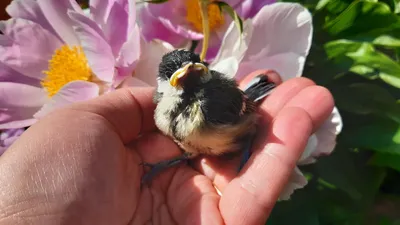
[355, 54]
[3, 4]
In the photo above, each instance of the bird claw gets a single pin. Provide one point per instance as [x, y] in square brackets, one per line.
[157, 168]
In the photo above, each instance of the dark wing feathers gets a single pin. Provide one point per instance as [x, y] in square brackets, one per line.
[224, 102]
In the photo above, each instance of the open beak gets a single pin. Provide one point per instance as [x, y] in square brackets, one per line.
[182, 72]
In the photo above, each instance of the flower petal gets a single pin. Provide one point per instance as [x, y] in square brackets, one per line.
[280, 30]
[128, 57]
[7, 138]
[100, 9]
[324, 138]
[147, 68]
[172, 15]
[131, 4]
[56, 13]
[296, 181]
[116, 28]
[96, 48]
[29, 10]
[12, 122]
[15, 95]
[288, 65]
[74, 91]
[156, 30]
[133, 82]
[311, 146]
[30, 47]
[244, 7]
[249, 8]
[181, 28]
[18, 103]
[9, 75]
[232, 49]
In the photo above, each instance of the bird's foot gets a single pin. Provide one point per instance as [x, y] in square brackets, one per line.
[259, 87]
[157, 168]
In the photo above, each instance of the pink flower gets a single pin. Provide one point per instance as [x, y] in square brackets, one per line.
[178, 21]
[7, 138]
[53, 54]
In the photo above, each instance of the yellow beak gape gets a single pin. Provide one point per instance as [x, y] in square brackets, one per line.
[183, 71]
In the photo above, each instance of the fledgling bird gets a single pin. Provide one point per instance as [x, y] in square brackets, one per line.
[204, 111]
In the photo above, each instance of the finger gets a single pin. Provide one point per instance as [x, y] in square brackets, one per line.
[221, 171]
[192, 199]
[283, 94]
[249, 198]
[189, 196]
[154, 147]
[129, 110]
[189, 199]
[317, 101]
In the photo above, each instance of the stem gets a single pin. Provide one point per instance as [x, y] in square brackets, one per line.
[206, 28]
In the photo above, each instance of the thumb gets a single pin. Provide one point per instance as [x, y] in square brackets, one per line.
[129, 110]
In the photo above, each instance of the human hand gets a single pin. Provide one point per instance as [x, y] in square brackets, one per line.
[81, 164]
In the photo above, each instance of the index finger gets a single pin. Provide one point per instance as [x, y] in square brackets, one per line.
[129, 110]
[250, 197]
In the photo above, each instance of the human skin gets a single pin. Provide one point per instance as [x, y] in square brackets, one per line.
[81, 164]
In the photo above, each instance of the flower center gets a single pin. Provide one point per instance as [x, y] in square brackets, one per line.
[193, 15]
[66, 65]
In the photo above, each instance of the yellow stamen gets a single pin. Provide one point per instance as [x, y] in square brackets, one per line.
[67, 64]
[193, 15]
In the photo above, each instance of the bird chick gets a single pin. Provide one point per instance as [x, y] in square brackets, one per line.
[204, 111]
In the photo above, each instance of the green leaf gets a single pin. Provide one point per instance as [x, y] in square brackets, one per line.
[364, 60]
[334, 7]
[391, 3]
[379, 134]
[365, 21]
[367, 56]
[300, 207]
[364, 99]
[386, 40]
[339, 48]
[348, 172]
[342, 175]
[232, 13]
[386, 160]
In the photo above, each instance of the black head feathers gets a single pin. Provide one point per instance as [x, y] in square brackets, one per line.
[172, 61]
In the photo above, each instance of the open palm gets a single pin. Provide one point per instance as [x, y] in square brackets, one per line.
[81, 164]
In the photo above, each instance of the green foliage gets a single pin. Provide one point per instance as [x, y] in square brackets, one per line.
[355, 54]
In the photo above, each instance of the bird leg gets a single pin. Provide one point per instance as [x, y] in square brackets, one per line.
[156, 168]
